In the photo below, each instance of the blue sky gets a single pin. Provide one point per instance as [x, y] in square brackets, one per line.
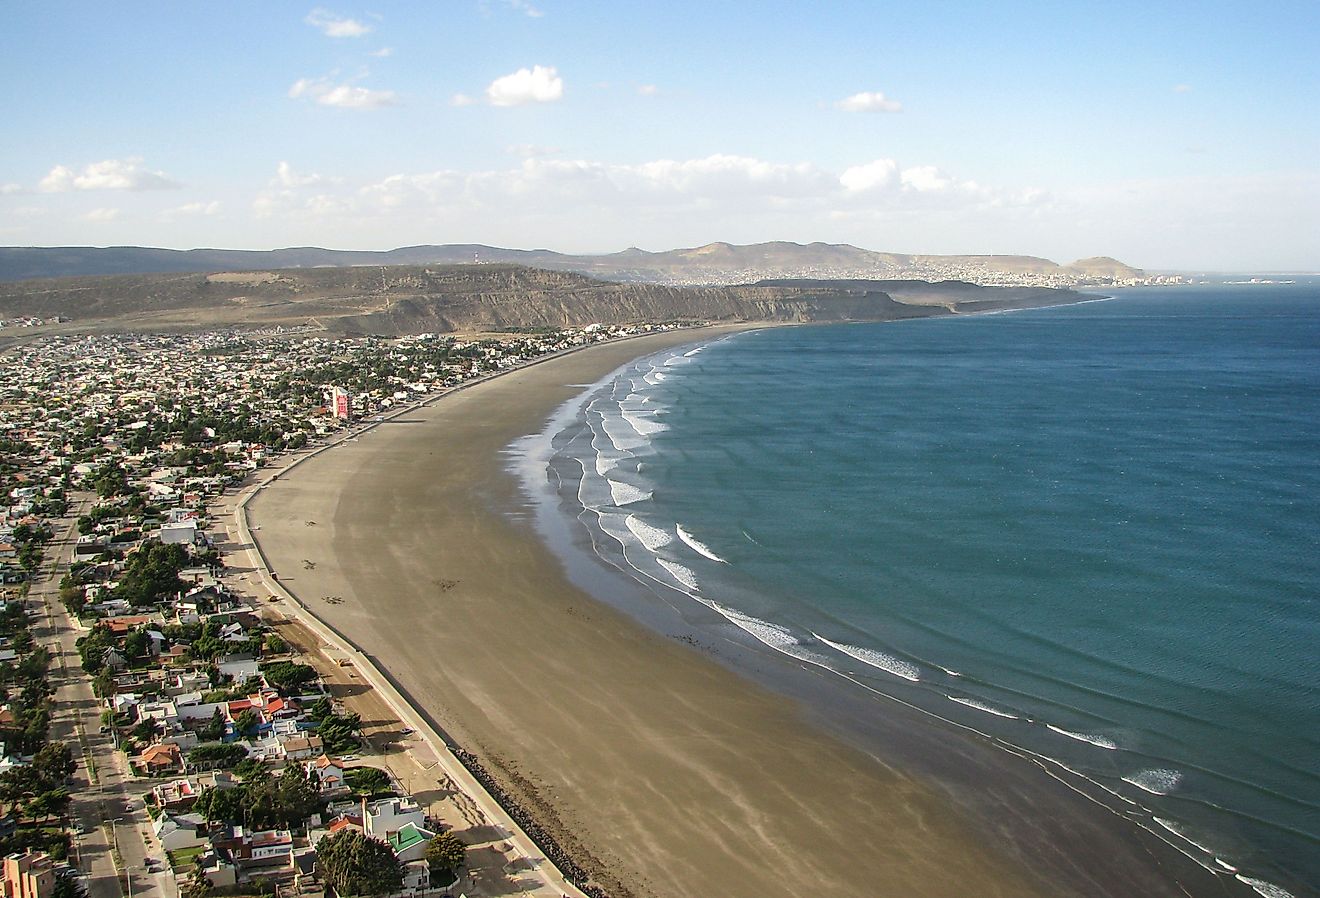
[1170, 135]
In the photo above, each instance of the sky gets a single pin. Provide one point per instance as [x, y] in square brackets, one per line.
[1172, 135]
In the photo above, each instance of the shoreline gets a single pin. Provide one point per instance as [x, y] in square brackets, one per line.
[504, 667]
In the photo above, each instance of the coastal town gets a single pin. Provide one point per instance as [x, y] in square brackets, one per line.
[174, 721]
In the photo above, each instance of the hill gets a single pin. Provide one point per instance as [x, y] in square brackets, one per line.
[472, 298]
[712, 264]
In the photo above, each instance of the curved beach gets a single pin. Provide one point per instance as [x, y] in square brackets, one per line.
[659, 769]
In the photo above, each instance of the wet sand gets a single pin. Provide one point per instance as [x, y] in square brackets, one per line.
[660, 770]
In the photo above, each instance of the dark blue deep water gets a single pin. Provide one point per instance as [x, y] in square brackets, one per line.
[1089, 532]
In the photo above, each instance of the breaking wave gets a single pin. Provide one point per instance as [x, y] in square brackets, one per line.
[1099, 741]
[652, 537]
[681, 574]
[698, 546]
[982, 706]
[626, 493]
[1159, 781]
[887, 663]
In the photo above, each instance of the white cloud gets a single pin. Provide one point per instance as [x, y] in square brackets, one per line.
[648, 90]
[926, 178]
[10, 189]
[881, 174]
[462, 100]
[286, 177]
[383, 52]
[869, 101]
[189, 209]
[1182, 88]
[100, 215]
[530, 150]
[523, 6]
[344, 96]
[332, 25]
[109, 174]
[539, 84]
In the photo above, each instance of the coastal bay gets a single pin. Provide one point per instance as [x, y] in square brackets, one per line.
[659, 769]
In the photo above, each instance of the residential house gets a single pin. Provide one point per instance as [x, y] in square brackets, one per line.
[387, 816]
[176, 832]
[29, 875]
[258, 849]
[409, 842]
[328, 773]
[161, 758]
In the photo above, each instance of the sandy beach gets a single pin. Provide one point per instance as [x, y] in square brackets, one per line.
[662, 771]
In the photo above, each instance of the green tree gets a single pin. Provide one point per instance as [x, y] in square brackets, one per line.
[246, 722]
[197, 886]
[356, 865]
[68, 887]
[367, 781]
[221, 805]
[446, 852]
[287, 676]
[213, 729]
[299, 798]
[216, 754]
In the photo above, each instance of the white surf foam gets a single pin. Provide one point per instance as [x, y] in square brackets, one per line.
[643, 425]
[652, 537]
[982, 706]
[654, 378]
[951, 672]
[776, 637]
[698, 546]
[887, 663]
[1099, 741]
[1268, 889]
[626, 493]
[1181, 833]
[681, 574]
[621, 441]
[692, 352]
[604, 464]
[1159, 781]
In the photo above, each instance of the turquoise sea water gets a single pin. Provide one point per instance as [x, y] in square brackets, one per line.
[1089, 532]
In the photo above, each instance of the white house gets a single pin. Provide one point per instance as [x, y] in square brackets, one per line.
[177, 832]
[387, 816]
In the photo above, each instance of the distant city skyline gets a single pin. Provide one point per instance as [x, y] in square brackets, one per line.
[1170, 137]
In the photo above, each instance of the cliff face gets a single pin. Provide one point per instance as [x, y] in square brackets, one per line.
[470, 298]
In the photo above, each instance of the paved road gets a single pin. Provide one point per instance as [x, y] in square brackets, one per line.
[100, 800]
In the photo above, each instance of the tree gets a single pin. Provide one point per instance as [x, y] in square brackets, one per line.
[217, 754]
[299, 798]
[446, 852]
[197, 886]
[213, 729]
[286, 676]
[246, 722]
[221, 805]
[68, 887]
[252, 770]
[367, 781]
[354, 864]
[53, 763]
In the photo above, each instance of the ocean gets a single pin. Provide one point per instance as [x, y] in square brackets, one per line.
[1090, 533]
